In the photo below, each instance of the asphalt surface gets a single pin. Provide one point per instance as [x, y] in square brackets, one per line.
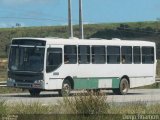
[149, 96]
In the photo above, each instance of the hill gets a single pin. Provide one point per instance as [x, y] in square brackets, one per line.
[149, 31]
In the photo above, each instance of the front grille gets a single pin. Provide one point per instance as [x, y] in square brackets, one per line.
[23, 85]
[25, 81]
[28, 77]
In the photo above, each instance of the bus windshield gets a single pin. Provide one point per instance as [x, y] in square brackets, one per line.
[26, 58]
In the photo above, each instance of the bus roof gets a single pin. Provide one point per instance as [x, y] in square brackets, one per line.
[92, 41]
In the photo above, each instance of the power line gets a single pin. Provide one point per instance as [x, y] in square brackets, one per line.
[40, 19]
[32, 18]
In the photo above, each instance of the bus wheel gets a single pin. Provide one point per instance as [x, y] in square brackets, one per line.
[123, 87]
[34, 92]
[66, 88]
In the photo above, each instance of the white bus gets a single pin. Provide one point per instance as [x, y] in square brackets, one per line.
[40, 64]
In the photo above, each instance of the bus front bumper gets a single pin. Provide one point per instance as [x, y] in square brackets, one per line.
[39, 84]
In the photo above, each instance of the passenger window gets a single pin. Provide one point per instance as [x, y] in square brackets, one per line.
[54, 59]
[98, 55]
[113, 54]
[126, 57]
[84, 54]
[147, 55]
[136, 55]
[70, 54]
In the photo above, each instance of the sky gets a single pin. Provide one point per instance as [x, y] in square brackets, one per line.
[54, 12]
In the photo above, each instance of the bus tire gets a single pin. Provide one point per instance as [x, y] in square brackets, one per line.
[123, 87]
[34, 92]
[66, 88]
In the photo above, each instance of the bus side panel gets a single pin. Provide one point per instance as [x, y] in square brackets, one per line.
[96, 83]
[142, 75]
[137, 82]
[54, 80]
[139, 74]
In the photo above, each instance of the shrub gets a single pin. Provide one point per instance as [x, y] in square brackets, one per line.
[85, 103]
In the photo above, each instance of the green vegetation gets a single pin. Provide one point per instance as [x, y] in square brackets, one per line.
[90, 106]
[158, 68]
[96, 103]
[30, 108]
[5, 90]
[149, 31]
[85, 103]
[3, 71]
[153, 86]
[3, 107]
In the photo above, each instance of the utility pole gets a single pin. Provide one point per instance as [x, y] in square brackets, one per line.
[70, 19]
[81, 35]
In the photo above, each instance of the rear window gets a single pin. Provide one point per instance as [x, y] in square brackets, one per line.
[147, 55]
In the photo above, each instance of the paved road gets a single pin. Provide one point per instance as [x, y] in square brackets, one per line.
[134, 95]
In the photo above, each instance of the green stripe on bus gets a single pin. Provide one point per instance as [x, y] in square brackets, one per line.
[115, 82]
[84, 83]
[92, 83]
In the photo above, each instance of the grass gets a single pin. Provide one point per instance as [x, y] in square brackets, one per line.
[3, 107]
[30, 108]
[158, 68]
[130, 108]
[85, 103]
[153, 86]
[90, 106]
[5, 90]
[3, 69]
[96, 104]
[3, 75]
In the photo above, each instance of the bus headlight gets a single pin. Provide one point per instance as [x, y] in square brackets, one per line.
[11, 80]
[38, 84]
[38, 81]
